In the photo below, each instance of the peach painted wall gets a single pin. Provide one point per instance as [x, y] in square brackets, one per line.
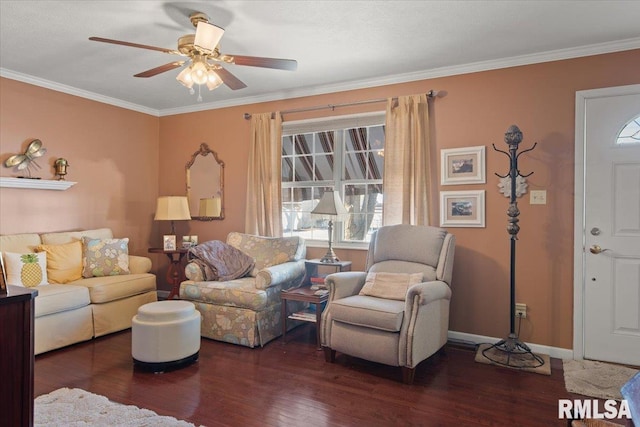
[123, 160]
[478, 110]
[113, 157]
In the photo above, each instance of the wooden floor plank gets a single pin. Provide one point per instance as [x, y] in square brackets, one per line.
[291, 385]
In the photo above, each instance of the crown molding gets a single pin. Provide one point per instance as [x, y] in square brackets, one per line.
[515, 61]
[70, 90]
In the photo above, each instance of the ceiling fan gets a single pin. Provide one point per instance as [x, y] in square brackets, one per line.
[204, 58]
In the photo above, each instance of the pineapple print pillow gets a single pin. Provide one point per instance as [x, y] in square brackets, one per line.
[104, 257]
[28, 270]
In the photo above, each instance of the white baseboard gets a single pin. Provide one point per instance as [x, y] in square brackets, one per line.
[557, 352]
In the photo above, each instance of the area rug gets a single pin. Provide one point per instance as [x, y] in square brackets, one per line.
[595, 379]
[526, 361]
[77, 407]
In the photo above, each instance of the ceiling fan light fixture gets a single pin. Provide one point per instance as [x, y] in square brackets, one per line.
[207, 37]
[185, 77]
[199, 71]
[213, 80]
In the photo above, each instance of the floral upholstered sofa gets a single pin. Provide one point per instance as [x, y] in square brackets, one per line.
[247, 310]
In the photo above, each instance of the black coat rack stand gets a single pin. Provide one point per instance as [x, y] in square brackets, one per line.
[518, 354]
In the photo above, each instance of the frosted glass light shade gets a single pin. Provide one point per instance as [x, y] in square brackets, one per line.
[185, 77]
[213, 80]
[207, 37]
[199, 72]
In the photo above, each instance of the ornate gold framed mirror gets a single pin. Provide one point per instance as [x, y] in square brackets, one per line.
[205, 185]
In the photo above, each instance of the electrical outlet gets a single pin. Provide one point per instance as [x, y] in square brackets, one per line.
[521, 310]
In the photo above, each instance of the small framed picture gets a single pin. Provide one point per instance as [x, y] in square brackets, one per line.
[462, 166]
[462, 208]
[169, 242]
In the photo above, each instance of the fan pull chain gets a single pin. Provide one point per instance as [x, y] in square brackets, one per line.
[199, 94]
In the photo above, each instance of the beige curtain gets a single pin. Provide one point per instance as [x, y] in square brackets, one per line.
[407, 161]
[264, 194]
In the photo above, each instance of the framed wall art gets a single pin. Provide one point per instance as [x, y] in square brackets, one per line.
[462, 208]
[462, 165]
[169, 242]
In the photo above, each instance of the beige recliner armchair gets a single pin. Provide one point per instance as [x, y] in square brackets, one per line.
[380, 321]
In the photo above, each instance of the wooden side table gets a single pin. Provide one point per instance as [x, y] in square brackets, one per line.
[175, 272]
[16, 357]
[312, 265]
[304, 294]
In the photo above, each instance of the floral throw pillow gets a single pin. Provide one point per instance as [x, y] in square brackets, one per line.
[104, 257]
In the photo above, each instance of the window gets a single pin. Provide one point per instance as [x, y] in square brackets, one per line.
[345, 154]
[630, 133]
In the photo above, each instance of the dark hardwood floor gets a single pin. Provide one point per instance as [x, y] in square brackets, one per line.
[292, 385]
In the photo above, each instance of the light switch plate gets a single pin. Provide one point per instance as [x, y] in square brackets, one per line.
[538, 197]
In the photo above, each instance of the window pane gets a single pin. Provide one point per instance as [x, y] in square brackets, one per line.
[304, 143]
[287, 145]
[324, 168]
[354, 166]
[350, 159]
[375, 166]
[365, 206]
[325, 142]
[303, 168]
[630, 134]
[376, 139]
[287, 169]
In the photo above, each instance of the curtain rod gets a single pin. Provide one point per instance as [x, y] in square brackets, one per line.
[430, 94]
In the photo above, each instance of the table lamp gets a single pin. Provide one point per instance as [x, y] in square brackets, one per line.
[172, 208]
[330, 207]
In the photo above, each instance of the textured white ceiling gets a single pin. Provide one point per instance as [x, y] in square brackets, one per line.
[338, 44]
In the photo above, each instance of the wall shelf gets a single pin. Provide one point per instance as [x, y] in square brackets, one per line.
[37, 184]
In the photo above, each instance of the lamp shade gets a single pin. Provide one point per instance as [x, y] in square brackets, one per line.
[330, 207]
[210, 208]
[172, 208]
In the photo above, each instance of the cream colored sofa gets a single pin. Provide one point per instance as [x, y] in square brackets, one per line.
[90, 307]
[247, 310]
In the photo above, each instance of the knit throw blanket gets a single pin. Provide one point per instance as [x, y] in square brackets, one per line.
[220, 261]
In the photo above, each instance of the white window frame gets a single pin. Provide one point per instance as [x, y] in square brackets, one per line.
[337, 123]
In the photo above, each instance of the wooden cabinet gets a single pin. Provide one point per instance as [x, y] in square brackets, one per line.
[16, 356]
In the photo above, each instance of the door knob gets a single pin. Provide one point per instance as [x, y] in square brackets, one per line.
[595, 249]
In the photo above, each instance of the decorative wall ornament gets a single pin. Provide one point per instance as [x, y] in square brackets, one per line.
[504, 186]
[61, 166]
[28, 159]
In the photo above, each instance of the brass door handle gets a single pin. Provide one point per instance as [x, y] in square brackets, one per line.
[595, 249]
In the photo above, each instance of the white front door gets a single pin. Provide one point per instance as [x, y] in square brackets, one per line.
[610, 235]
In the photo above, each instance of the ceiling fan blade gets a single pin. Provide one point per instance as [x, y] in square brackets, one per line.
[229, 79]
[161, 69]
[256, 61]
[141, 46]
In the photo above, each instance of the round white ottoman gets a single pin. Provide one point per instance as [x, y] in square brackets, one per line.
[165, 335]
